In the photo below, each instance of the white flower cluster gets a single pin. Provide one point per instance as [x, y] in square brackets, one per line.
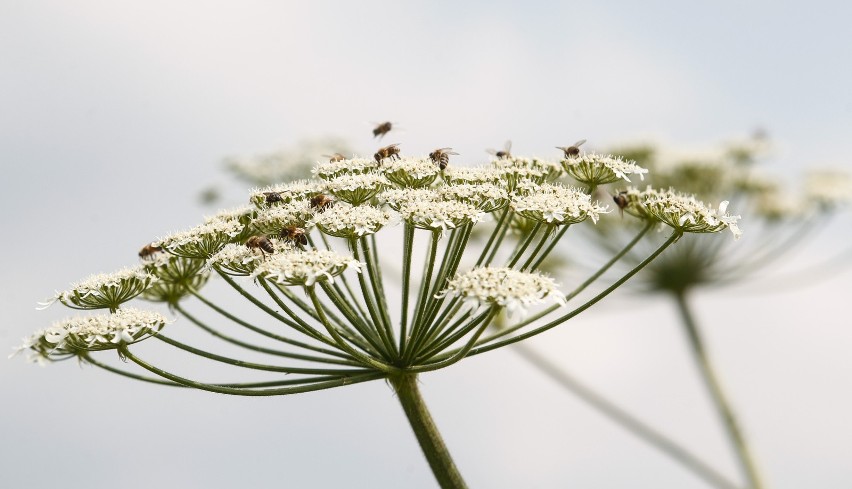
[504, 287]
[357, 188]
[512, 175]
[439, 214]
[535, 168]
[480, 174]
[239, 259]
[486, 197]
[170, 268]
[296, 190]
[93, 333]
[106, 290]
[555, 204]
[596, 169]
[397, 197]
[304, 267]
[269, 222]
[332, 169]
[411, 172]
[687, 214]
[202, 240]
[348, 221]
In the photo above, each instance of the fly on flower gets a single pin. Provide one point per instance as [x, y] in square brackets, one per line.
[260, 243]
[293, 234]
[573, 150]
[441, 157]
[506, 152]
[391, 151]
[381, 129]
[334, 158]
[321, 202]
[148, 251]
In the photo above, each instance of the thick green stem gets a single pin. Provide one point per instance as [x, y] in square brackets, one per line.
[427, 434]
[723, 407]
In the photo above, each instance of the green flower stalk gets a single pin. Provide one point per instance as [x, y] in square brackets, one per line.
[320, 276]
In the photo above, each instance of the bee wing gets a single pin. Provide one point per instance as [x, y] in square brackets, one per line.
[579, 143]
[492, 152]
[507, 146]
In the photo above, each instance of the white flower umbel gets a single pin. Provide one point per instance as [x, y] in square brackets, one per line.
[504, 287]
[478, 174]
[202, 241]
[486, 197]
[175, 269]
[512, 175]
[94, 333]
[357, 189]
[686, 214]
[306, 268]
[347, 221]
[239, 259]
[439, 215]
[107, 290]
[172, 292]
[411, 172]
[557, 204]
[270, 222]
[544, 170]
[397, 197]
[828, 188]
[332, 169]
[288, 192]
[595, 169]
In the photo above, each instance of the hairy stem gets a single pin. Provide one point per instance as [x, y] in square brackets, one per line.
[427, 433]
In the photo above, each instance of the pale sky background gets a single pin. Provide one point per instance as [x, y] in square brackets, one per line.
[113, 115]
